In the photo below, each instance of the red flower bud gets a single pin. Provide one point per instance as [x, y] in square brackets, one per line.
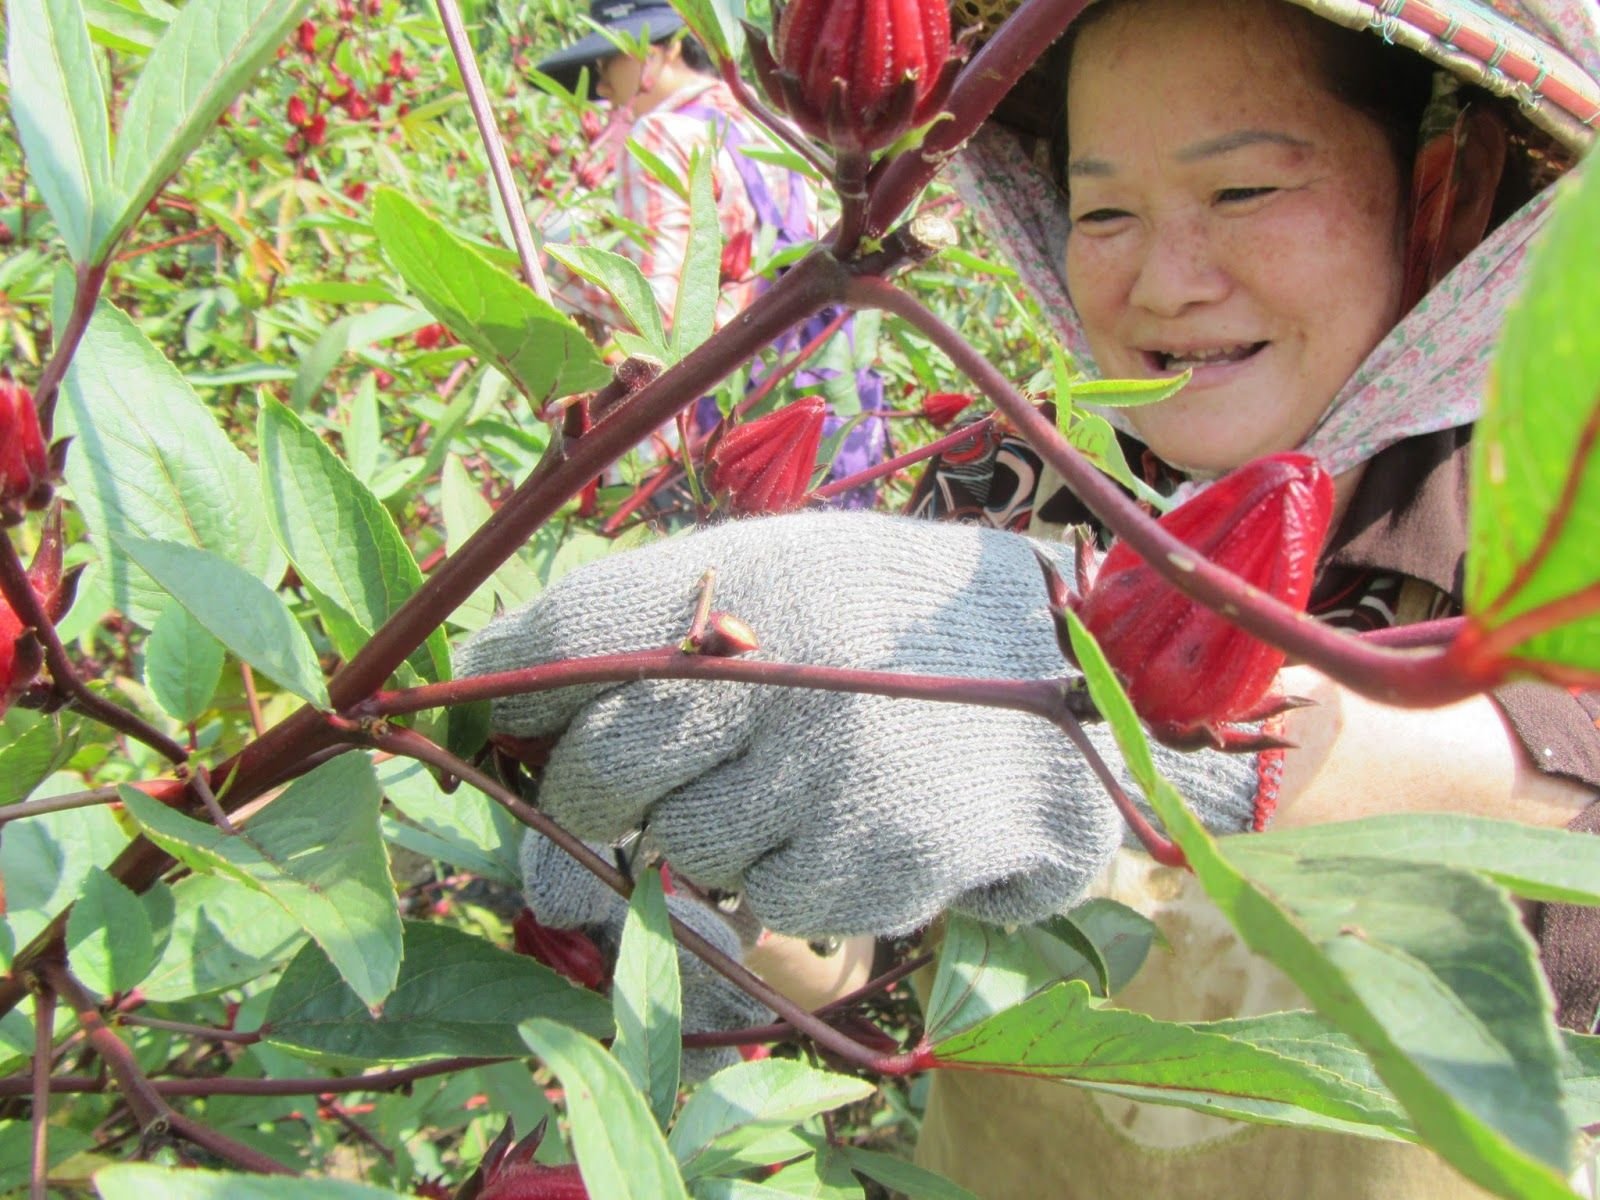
[24, 462]
[21, 655]
[765, 465]
[429, 336]
[568, 952]
[299, 115]
[306, 36]
[941, 408]
[592, 125]
[536, 1181]
[317, 130]
[858, 73]
[736, 257]
[356, 191]
[383, 93]
[1186, 668]
[397, 62]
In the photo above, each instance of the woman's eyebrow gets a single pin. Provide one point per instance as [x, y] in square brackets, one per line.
[1100, 168]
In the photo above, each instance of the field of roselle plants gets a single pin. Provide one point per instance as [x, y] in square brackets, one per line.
[284, 417]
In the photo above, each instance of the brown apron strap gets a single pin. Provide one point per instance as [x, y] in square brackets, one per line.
[1569, 944]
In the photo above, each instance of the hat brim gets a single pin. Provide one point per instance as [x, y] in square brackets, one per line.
[564, 65]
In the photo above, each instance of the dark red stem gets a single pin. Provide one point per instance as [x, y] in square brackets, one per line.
[1391, 677]
[90, 280]
[910, 458]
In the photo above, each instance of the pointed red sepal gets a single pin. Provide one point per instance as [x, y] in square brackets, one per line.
[765, 465]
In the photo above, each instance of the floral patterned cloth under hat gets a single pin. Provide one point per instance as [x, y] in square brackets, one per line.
[1430, 373]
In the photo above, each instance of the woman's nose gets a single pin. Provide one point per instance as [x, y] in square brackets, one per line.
[1180, 267]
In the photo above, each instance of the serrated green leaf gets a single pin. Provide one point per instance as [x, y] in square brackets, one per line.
[1128, 393]
[910, 1180]
[1542, 864]
[1061, 1034]
[646, 999]
[1477, 1071]
[619, 1149]
[142, 1181]
[59, 106]
[32, 746]
[355, 332]
[628, 287]
[456, 995]
[1535, 498]
[533, 344]
[341, 540]
[748, 1101]
[236, 608]
[316, 851]
[694, 311]
[468, 830]
[148, 459]
[45, 859]
[203, 60]
[109, 943]
[182, 665]
[514, 581]
[223, 934]
[15, 1150]
[984, 969]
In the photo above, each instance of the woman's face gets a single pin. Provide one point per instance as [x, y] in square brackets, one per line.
[1230, 217]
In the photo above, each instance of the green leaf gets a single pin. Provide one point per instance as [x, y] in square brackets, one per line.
[237, 609]
[45, 860]
[746, 1102]
[534, 345]
[619, 1149]
[1128, 393]
[896, 1174]
[118, 27]
[182, 665]
[32, 746]
[715, 23]
[1093, 437]
[224, 934]
[1541, 864]
[1535, 490]
[316, 851]
[694, 312]
[1062, 1034]
[1475, 1070]
[514, 581]
[622, 278]
[15, 1150]
[355, 332]
[646, 999]
[342, 542]
[462, 827]
[207, 55]
[456, 995]
[59, 106]
[109, 943]
[149, 459]
[142, 1181]
[984, 969]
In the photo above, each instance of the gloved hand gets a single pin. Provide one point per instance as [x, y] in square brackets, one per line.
[565, 894]
[834, 813]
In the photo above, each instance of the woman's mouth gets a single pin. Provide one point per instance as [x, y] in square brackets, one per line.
[1172, 362]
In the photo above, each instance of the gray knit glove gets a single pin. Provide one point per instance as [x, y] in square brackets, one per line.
[834, 813]
[565, 894]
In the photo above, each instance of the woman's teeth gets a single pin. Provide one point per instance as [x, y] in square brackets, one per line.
[1189, 359]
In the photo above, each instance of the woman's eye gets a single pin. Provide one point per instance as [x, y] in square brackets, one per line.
[1238, 195]
[1099, 216]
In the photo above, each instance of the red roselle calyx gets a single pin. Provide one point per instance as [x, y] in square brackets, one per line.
[765, 465]
[1187, 669]
[21, 655]
[941, 408]
[24, 461]
[736, 257]
[858, 73]
[569, 952]
[536, 1181]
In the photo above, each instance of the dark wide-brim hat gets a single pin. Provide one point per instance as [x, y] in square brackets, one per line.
[648, 19]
